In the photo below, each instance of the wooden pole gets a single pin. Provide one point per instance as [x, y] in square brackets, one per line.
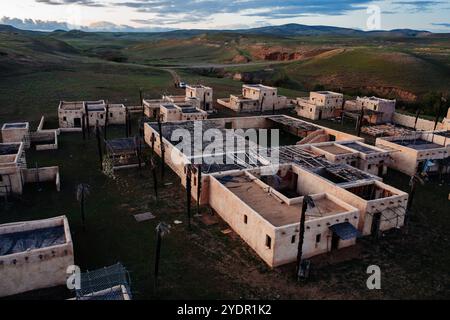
[155, 177]
[99, 145]
[162, 148]
[83, 216]
[417, 118]
[361, 118]
[188, 193]
[199, 186]
[301, 237]
[88, 128]
[126, 122]
[106, 121]
[83, 126]
[157, 254]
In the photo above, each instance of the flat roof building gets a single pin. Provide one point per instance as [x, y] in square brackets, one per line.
[319, 105]
[255, 98]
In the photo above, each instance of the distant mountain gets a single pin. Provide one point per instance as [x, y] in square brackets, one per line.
[287, 30]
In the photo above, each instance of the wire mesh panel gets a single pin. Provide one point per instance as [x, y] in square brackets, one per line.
[108, 283]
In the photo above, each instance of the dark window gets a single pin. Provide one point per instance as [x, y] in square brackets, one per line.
[101, 116]
[293, 239]
[65, 119]
[245, 219]
[229, 125]
[268, 242]
[110, 115]
[318, 238]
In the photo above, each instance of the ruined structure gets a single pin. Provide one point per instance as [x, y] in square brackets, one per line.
[255, 98]
[319, 105]
[253, 179]
[14, 173]
[34, 255]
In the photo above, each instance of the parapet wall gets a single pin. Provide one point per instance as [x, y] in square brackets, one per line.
[422, 124]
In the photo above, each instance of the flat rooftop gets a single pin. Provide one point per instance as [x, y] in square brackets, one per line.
[75, 105]
[417, 144]
[295, 123]
[270, 208]
[334, 149]
[9, 149]
[361, 148]
[20, 125]
[17, 242]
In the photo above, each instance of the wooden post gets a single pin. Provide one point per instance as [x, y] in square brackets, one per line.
[152, 146]
[199, 186]
[188, 193]
[162, 148]
[83, 126]
[417, 118]
[106, 121]
[412, 193]
[88, 128]
[83, 217]
[157, 254]
[155, 177]
[99, 145]
[361, 118]
[126, 122]
[301, 236]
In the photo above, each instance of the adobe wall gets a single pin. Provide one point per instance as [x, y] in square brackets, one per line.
[232, 210]
[35, 269]
[422, 124]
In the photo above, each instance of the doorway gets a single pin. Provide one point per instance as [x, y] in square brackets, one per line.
[334, 242]
[77, 122]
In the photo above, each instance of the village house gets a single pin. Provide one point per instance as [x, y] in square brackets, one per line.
[34, 255]
[319, 105]
[425, 152]
[376, 110]
[255, 98]
[180, 112]
[72, 115]
[196, 96]
[240, 191]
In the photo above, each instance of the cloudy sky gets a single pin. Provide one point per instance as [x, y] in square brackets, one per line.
[154, 15]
